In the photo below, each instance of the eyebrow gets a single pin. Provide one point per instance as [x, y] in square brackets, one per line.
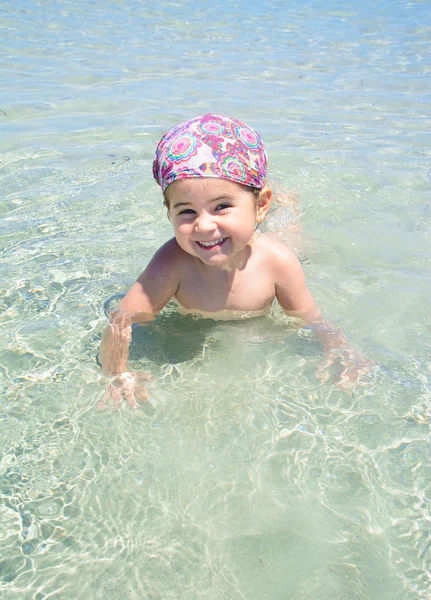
[223, 197]
[180, 204]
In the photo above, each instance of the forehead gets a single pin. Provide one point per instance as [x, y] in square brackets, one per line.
[209, 187]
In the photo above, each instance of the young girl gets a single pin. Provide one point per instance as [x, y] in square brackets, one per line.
[212, 171]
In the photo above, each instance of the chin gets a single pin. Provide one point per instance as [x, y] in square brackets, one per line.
[215, 260]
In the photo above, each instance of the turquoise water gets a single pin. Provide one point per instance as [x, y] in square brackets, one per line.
[245, 477]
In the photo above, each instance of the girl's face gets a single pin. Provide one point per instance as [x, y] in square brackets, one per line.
[214, 219]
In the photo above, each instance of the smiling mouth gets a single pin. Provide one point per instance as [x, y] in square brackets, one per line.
[213, 244]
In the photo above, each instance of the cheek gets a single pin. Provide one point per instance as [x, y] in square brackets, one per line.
[182, 227]
[249, 217]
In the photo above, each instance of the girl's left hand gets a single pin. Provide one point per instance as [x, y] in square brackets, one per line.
[350, 369]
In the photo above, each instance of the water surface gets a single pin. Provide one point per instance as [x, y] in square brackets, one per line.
[245, 477]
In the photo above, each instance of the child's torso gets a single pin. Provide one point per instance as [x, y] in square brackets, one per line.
[246, 291]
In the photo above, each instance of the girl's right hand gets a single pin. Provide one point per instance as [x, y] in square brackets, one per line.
[128, 386]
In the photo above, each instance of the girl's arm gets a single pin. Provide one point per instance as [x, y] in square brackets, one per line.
[147, 296]
[290, 286]
[297, 301]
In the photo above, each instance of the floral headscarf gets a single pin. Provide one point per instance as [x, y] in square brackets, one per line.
[211, 146]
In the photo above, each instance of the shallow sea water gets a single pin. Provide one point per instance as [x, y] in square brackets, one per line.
[245, 477]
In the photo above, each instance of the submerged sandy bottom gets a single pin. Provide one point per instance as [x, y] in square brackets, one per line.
[245, 477]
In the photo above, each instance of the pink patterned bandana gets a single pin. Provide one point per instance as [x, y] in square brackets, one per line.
[211, 146]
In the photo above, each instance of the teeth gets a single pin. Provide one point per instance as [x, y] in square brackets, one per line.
[214, 243]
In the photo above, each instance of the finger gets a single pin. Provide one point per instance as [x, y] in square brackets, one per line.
[141, 394]
[366, 370]
[355, 369]
[130, 397]
[103, 401]
[116, 396]
[346, 381]
[322, 376]
[325, 364]
[349, 372]
[361, 375]
[322, 372]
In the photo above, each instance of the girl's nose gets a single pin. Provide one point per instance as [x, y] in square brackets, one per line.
[205, 222]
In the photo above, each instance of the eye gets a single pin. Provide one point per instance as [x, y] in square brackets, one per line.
[187, 211]
[223, 206]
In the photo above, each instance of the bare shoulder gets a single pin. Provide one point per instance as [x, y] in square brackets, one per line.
[158, 282]
[288, 277]
[278, 257]
[168, 257]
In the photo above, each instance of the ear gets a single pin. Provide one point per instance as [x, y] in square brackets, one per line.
[263, 203]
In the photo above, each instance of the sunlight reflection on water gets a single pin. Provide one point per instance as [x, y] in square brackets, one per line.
[245, 477]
